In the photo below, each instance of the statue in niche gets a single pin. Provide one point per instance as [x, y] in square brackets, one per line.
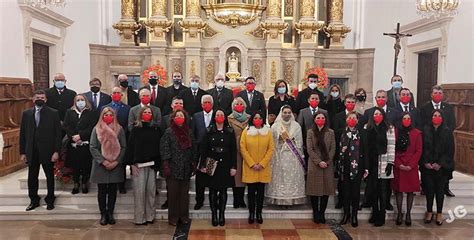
[233, 67]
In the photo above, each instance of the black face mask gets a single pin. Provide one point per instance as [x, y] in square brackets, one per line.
[95, 89]
[360, 98]
[39, 102]
[177, 81]
[124, 84]
[152, 81]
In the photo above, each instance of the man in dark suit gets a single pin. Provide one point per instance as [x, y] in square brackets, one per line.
[405, 106]
[176, 103]
[59, 97]
[129, 96]
[158, 93]
[134, 114]
[449, 118]
[303, 95]
[222, 96]
[393, 95]
[254, 99]
[97, 98]
[173, 91]
[121, 109]
[200, 124]
[192, 96]
[40, 143]
[393, 115]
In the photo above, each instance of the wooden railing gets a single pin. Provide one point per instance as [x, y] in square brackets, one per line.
[15, 97]
[461, 96]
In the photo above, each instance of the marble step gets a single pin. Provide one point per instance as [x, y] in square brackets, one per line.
[125, 212]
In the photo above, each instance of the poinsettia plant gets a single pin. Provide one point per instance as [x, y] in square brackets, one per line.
[323, 79]
[160, 70]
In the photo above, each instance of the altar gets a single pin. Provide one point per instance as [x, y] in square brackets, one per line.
[266, 39]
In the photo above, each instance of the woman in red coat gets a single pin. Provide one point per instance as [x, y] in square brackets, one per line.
[409, 147]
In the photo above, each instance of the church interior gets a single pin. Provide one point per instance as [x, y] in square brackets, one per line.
[355, 43]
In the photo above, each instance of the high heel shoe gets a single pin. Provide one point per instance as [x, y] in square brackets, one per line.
[408, 219]
[439, 219]
[75, 190]
[399, 219]
[428, 217]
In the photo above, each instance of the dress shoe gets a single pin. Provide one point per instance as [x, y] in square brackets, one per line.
[85, 188]
[165, 205]
[141, 224]
[428, 217]
[75, 190]
[50, 206]
[110, 218]
[172, 224]
[251, 218]
[389, 207]
[439, 219]
[448, 193]
[150, 222]
[259, 218]
[32, 206]
[354, 220]
[198, 206]
[399, 219]
[408, 219]
[122, 191]
[103, 219]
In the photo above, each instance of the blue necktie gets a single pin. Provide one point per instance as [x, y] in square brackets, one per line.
[37, 116]
[94, 100]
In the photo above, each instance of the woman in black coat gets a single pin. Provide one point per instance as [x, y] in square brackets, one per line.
[280, 99]
[219, 145]
[79, 122]
[333, 103]
[437, 161]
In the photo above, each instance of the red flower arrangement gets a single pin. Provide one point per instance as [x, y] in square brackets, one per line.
[323, 80]
[160, 70]
[61, 172]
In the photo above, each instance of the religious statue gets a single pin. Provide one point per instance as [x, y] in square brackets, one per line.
[233, 67]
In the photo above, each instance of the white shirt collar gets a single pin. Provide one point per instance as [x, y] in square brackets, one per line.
[403, 105]
[434, 104]
[38, 108]
[142, 105]
[208, 114]
[315, 109]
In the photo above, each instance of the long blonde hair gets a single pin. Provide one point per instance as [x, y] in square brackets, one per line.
[88, 104]
[114, 125]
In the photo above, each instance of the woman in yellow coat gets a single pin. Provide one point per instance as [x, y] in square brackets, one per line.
[256, 147]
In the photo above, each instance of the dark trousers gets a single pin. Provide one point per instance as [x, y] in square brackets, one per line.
[379, 195]
[435, 182]
[33, 183]
[239, 193]
[218, 199]
[319, 203]
[200, 187]
[351, 194]
[107, 196]
[178, 196]
[256, 194]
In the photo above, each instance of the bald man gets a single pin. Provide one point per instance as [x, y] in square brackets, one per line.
[59, 97]
[222, 96]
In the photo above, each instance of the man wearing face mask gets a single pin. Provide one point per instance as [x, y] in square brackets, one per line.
[158, 93]
[393, 115]
[59, 97]
[200, 124]
[393, 95]
[449, 119]
[173, 91]
[405, 106]
[254, 99]
[192, 96]
[40, 143]
[145, 101]
[121, 109]
[222, 96]
[129, 96]
[303, 95]
[96, 98]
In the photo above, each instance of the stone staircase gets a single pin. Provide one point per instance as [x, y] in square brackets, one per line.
[14, 199]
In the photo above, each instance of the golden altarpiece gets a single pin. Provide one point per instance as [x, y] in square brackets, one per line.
[267, 39]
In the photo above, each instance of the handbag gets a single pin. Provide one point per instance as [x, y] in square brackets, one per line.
[210, 167]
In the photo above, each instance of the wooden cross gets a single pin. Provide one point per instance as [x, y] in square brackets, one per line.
[397, 45]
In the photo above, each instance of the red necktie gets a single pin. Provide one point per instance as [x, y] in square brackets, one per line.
[153, 95]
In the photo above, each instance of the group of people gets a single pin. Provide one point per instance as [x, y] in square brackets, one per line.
[291, 151]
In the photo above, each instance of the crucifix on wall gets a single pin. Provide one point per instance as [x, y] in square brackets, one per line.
[397, 47]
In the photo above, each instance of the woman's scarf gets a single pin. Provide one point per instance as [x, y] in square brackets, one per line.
[182, 135]
[108, 138]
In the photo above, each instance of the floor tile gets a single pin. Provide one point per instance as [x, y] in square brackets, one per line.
[275, 234]
[277, 224]
[206, 234]
[308, 234]
[243, 234]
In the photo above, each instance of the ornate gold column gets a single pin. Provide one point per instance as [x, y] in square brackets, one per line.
[274, 26]
[158, 25]
[336, 29]
[127, 25]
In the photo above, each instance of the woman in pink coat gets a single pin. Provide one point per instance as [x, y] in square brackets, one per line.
[409, 147]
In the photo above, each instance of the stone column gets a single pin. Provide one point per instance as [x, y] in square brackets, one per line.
[158, 25]
[336, 29]
[127, 25]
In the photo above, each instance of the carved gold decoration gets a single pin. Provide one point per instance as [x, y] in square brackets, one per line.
[257, 32]
[274, 9]
[158, 27]
[233, 14]
[274, 29]
[336, 29]
[193, 68]
[336, 9]
[288, 73]
[126, 63]
[192, 27]
[128, 9]
[127, 30]
[273, 72]
[209, 32]
[307, 8]
[177, 66]
[192, 8]
[256, 69]
[178, 7]
[210, 71]
[338, 65]
[288, 8]
[158, 8]
[307, 29]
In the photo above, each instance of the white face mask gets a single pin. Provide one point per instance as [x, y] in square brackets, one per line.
[334, 94]
[220, 84]
[81, 104]
[312, 85]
